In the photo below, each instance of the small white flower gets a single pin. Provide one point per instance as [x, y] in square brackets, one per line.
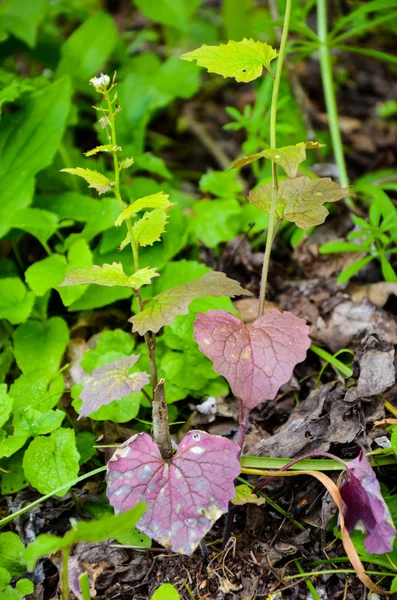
[103, 122]
[100, 83]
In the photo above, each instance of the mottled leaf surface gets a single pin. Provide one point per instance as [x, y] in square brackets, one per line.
[255, 360]
[288, 157]
[110, 276]
[111, 382]
[95, 180]
[159, 200]
[175, 301]
[299, 200]
[363, 503]
[242, 60]
[185, 496]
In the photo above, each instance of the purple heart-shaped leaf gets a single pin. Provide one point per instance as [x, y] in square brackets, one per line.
[255, 360]
[363, 502]
[184, 496]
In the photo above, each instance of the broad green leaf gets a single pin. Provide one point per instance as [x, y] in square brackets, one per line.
[52, 461]
[5, 405]
[14, 480]
[171, 303]
[85, 444]
[244, 60]
[96, 297]
[166, 592]
[29, 139]
[36, 390]
[45, 274]
[175, 13]
[215, 221]
[42, 224]
[11, 444]
[21, 18]
[96, 180]
[114, 344]
[135, 538]
[110, 275]
[33, 422]
[151, 163]
[39, 346]
[5, 578]
[70, 205]
[393, 439]
[150, 227]
[79, 256]
[88, 48]
[223, 184]
[299, 200]
[24, 587]
[244, 495]
[159, 200]
[288, 157]
[16, 302]
[103, 148]
[84, 531]
[11, 553]
[118, 411]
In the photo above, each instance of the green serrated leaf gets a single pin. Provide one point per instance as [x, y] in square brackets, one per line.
[103, 148]
[45, 274]
[110, 276]
[150, 227]
[79, 256]
[299, 200]
[126, 163]
[96, 180]
[5, 405]
[288, 157]
[173, 302]
[159, 200]
[11, 553]
[16, 302]
[243, 60]
[52, 461]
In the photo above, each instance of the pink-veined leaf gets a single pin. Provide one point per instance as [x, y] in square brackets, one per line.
[255, 360]
[363, 502]
[111, 382]
[174, 302]
[184, 496]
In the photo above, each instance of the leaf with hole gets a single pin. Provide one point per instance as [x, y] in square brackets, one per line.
[244, 60]
[110, 276]
[288, 157]
[184, 496]
[299, 200]
[175, 301]
[255, 360]
[364, 503]
[111, 382]
[95, 180]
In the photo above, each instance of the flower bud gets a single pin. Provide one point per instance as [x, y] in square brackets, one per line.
[100, 83]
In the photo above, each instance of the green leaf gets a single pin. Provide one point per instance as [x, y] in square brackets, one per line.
[24, 587]
[29, 139]
[84, 531]
[85, 443]
[42, 224]
[79, 256]
[175, 13]
[215, 221]
[288, 157]
[150, 227]
[11, 553]
[5, 405]
[12, 444]
[96, 297]
[52, 461]
[5, 578]
[16, 302]
[354, 268]
[393, 587]
[393, 439]
[45, 274]
[242, 60]
[159, 200]
[32, 422]
[110, 275]
[387, 270]
[14, 480]
[103, 148]
[110, 345]
[135, 538]
[21, 18]
[88, 48]
[151, 163]
[166, 592]
[126, 163]
[39, 346]
[223, 184]
[299, 200]
[35, 390]
[169, 304]
[244, 495]
[96, 180]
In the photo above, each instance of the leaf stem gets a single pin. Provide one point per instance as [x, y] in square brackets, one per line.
[65, 573]
[273, 144]
[329, 92]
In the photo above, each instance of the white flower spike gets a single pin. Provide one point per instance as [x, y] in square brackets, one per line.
[100, 83]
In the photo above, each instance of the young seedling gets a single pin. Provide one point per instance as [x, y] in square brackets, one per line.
[186, 492]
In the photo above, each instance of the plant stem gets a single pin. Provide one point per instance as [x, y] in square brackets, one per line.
[329, 92]
[65, 573]
[161, 429]
[243, 415]
[273, 119]
[85, 586]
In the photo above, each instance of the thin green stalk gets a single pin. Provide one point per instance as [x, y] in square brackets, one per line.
[65, 573]
[85, 586]
[329, 92]
[333, 571]
[273, 144]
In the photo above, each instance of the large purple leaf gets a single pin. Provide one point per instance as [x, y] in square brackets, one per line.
[185, 496]
[363, 502]
[111, 382]
[255, 360]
